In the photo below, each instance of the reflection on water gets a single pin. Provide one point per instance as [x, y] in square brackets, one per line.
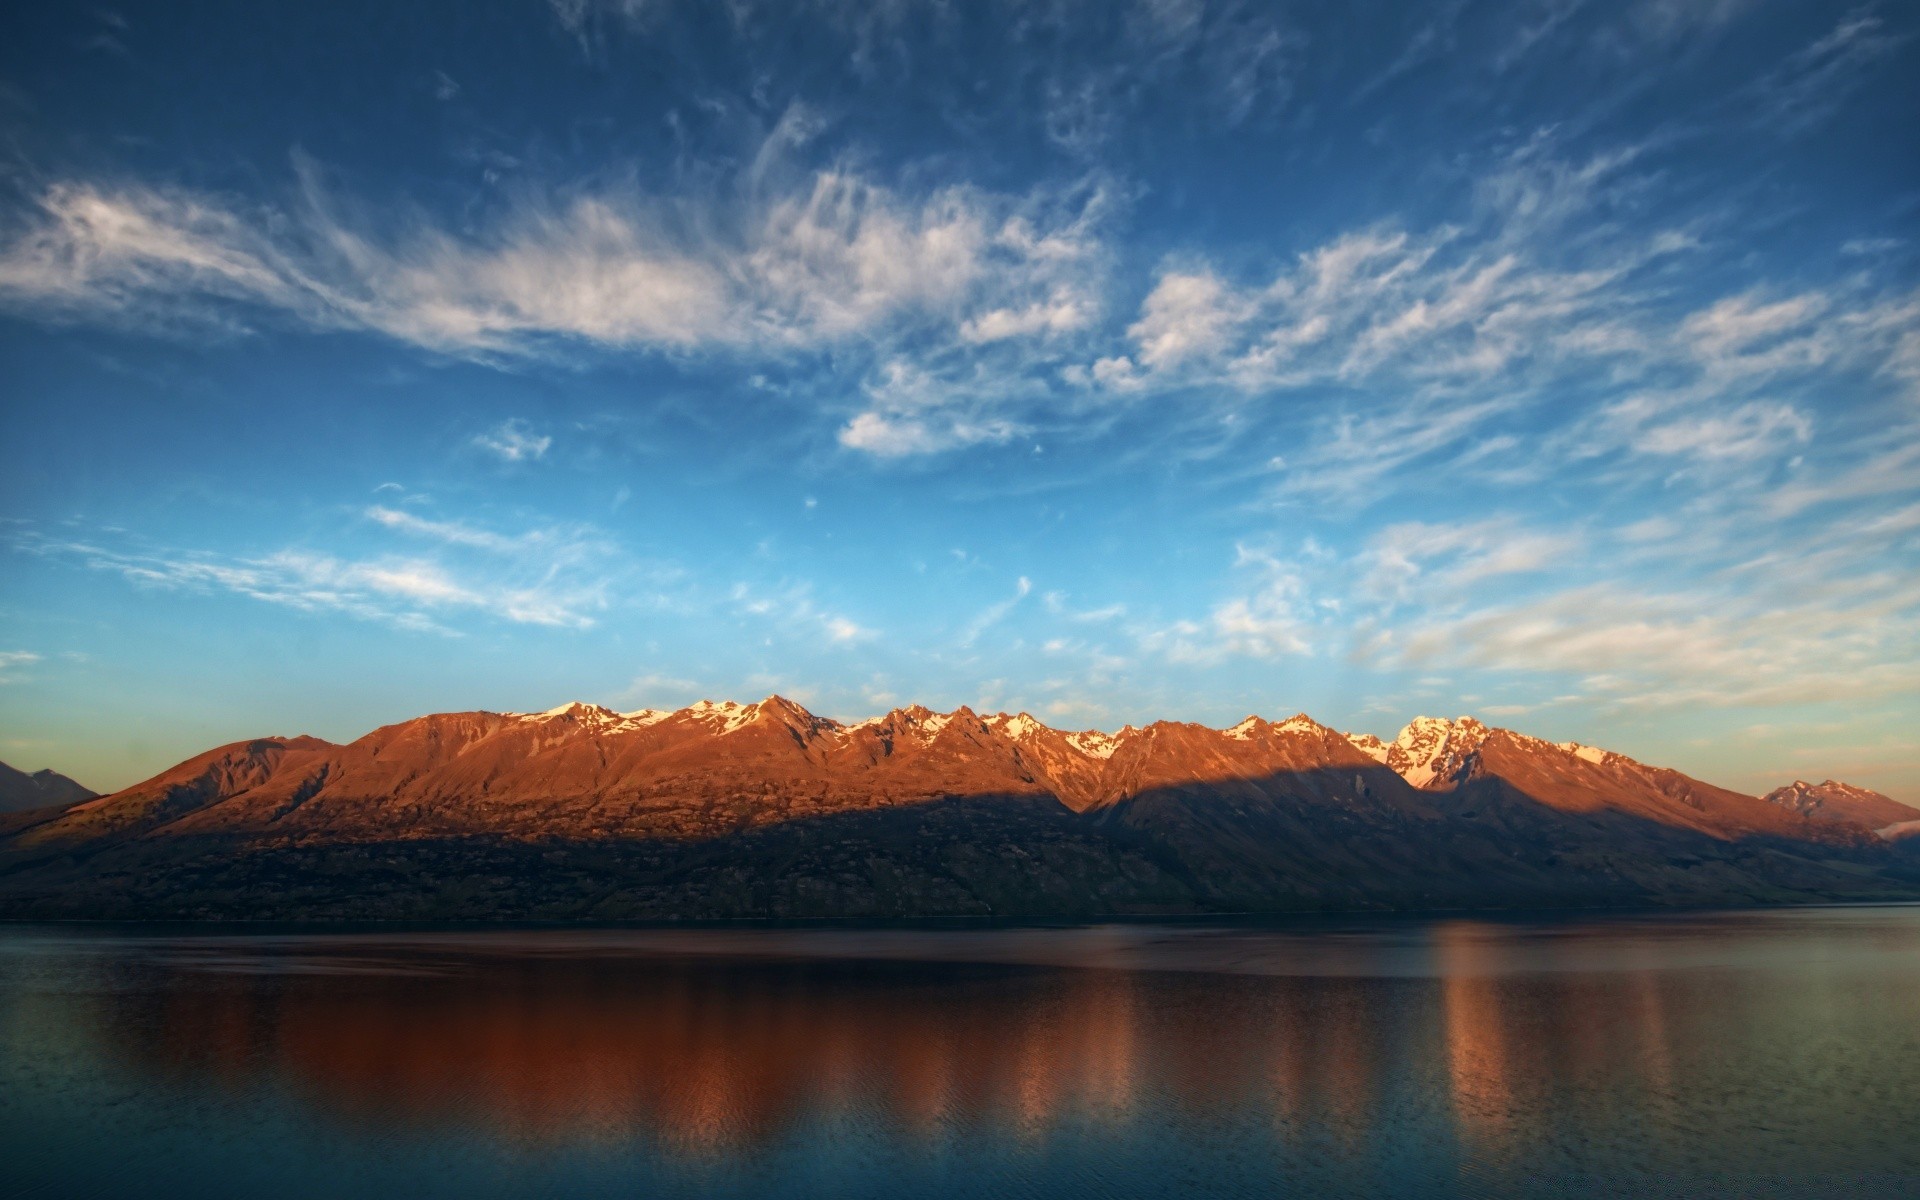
[1738, 1054]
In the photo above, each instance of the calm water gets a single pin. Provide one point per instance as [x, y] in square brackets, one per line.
[1773, 1053]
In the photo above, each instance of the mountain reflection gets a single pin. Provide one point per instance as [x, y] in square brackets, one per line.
[694, 1053]
[1467, 1037]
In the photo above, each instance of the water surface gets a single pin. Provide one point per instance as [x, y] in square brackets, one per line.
[1759, 1053]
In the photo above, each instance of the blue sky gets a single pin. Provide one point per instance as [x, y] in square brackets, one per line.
[1557, 362]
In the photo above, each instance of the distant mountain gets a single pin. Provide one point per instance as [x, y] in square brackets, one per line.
[20, 791]
[1836, 801]
[725, 809]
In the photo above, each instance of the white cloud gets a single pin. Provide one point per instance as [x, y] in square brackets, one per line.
[452, 532]
[1642, 650]
[948, 296]
[562, 582]
[790, 605]
[1741, 433]
[1062, 313]
[834, 258]
[11, 663]
[995, 613]
[842, 630]
[514, 441]
[1890, 471]
[912, 411]
[1435, 560]
[1186, 315]
[655, 690]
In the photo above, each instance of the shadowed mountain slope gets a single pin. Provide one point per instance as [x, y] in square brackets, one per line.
[21, 792]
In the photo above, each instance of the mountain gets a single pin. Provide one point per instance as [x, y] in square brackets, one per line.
[20, 791]
[765, 809]
[1841, 802]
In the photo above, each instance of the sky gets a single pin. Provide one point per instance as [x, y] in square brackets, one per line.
[1556, 362]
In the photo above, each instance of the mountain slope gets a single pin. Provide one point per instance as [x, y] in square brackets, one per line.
[21, 792]
[767, 809]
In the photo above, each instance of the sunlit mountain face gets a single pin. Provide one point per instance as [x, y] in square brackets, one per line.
[767, 810]
[1110, 362]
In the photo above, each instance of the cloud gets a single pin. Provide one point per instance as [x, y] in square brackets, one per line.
[1810, 86]
[1669, 426]
[790, 605]
[912, 411]
[451, 532]
[1064, 312]
[1418, 558]
[514, 441]
[1890, 471]
[11, 663]
[838, 256]
[995, 613]
[1186, 314]
[842, 630]
[1633, 649]
[664, 691]
[1275, 618]
[941, 293]
[543, 578]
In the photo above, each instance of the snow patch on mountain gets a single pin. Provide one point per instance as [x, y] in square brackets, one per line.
[1368, 745]
[1592, 754]
[1094, 743]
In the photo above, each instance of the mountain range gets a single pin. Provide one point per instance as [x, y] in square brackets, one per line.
[767, 810]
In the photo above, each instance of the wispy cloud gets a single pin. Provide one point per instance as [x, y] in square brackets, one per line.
[543, 578]
[13, 664]
[1643, 651]
[791, 605]
[514, 441]
[837, 256]
[995, 613]
[1810, 86]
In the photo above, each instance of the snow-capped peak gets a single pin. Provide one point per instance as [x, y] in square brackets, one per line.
[1434, 749]
[728, 714]
[578, 710]
[1017, 726]
[1297, 723]
[572, 708]
[920, 722]
[596, 717]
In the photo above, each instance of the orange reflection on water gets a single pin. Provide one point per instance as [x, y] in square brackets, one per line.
[693, 1056]
[1476, 1031]
[699, 1054]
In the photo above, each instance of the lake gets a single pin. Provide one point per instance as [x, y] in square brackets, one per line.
[1769, 1052]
